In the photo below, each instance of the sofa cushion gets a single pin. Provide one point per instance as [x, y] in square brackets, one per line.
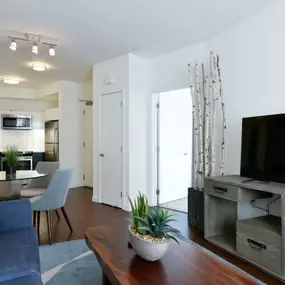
[27, 280]
[19, 254]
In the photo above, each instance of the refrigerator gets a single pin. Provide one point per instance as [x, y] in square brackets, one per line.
[51, 141]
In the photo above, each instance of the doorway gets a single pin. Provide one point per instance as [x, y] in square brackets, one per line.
[174, 148]
[110, 157]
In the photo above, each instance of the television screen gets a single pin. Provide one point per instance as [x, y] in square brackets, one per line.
[263, 148]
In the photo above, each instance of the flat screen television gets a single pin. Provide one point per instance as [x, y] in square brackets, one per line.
[263, 148]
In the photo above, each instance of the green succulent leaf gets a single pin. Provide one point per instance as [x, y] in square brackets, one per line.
[173, 238]
[142, 220]
[152, 221]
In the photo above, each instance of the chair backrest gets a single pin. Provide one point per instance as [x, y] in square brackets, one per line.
[43, 167]
[55, 196]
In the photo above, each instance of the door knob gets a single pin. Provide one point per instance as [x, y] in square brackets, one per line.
[102, 154]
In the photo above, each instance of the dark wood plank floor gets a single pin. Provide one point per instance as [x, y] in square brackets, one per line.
[83, 213]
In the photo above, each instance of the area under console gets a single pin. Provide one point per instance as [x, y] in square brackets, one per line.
[247, 219]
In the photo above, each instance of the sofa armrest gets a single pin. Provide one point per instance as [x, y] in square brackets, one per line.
[15, 214]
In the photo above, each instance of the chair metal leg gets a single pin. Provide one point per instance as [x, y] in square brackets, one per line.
[34, 218]
[57, 213]
[66, 218]
[49, 227]
[38, 224]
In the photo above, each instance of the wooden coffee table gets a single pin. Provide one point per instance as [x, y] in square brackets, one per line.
[182, 265]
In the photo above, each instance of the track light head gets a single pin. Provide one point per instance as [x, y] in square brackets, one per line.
[35, 48]
[13, 45]
[52, 51]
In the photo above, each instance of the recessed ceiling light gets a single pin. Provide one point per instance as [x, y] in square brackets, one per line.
[11, 80]
[35, 49]
[39, 66]
[51, 51]
[13, 45]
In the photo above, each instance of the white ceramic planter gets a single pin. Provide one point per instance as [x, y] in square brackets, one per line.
[146, 249]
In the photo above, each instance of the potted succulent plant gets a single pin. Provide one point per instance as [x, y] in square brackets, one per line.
[11, 157]
[150, 231]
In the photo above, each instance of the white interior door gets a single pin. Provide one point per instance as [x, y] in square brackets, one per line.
[111, 149]
[88, 145]
[175, 145]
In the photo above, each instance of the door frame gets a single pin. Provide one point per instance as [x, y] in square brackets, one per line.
[155, 149]
[97, 119]
[83, 109]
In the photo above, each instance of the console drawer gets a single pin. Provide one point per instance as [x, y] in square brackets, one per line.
[221, 190]
[266, 255]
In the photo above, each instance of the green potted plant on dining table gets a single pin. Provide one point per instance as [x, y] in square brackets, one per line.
[11, 159]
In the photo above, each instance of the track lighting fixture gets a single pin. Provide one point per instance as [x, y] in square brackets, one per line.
[13, 45]
[36, 40]
[35, 49]
[51, 51]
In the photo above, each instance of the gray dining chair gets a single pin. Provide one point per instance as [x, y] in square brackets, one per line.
[37, 187]
[54, 198]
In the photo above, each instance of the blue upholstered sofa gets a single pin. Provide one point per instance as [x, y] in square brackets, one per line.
[19, 252]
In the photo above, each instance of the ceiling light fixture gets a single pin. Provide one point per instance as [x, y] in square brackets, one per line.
[36, 40]
[13, 45]
[11, 80]
[52, 51]
[39, 66]
[35, 48]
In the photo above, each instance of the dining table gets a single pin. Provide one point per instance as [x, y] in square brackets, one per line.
[11, 185]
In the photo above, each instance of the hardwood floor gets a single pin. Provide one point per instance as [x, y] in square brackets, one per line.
[83, 213]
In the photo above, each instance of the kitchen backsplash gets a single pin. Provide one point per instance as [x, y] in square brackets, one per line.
[25, 140]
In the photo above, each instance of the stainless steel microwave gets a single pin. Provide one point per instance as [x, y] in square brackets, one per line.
[16, 122]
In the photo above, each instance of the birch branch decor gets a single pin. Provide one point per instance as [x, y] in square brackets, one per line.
[207, 98]
[195, 126]
[224, 124]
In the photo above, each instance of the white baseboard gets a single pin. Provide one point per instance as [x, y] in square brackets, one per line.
[127, 208]
[89, 186]
[76, 185]
[95, 199]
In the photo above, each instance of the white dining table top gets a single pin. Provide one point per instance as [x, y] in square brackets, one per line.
[21, 175]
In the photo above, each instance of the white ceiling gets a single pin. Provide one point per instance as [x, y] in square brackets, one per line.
[90, 31]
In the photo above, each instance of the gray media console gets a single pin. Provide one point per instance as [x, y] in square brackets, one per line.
[240, 218]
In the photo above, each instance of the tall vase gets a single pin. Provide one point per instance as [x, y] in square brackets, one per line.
[196, 208]
[11, 170]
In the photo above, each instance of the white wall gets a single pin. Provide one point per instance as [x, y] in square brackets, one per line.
[16, 92]
[170, 71]
[252, 56]
[70, 126]
[252, 59]
[140, 79]
[25, 105]
[116, 70]
[129, 73]
[139, 107]
[70, 130]
[52, 114]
